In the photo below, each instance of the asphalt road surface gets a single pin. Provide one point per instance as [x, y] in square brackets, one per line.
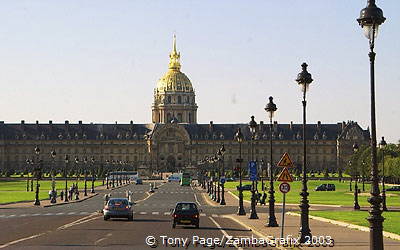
[81, 226]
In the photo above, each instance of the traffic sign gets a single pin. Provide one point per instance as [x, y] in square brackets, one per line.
[223, 180]
[285, 176]
[284, 187]
[285, 161]
[253, 170]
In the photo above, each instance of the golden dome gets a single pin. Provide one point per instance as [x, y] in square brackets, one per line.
[174, 79]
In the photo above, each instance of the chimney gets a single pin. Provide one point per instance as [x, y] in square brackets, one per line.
[275, 127]
[131, 122]
[343, 125]
[80, 122]
[319, 125]
[50, 122]
[66, 122]
[291, 125]
[211, 125]
[261, 126]
[22, 125]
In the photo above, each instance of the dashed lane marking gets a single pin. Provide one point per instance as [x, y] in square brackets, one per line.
[203, 214]
[143, 213]
[155, 213]
[167, 213]
[214, 215]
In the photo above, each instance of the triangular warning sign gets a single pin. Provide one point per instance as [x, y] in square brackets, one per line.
[285, 161]
[285, 176]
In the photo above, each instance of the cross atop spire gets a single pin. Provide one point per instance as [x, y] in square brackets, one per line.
[174, 62]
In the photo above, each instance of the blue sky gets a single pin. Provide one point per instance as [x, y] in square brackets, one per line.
[99, 61]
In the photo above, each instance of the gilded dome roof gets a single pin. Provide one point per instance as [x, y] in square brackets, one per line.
[174, 79]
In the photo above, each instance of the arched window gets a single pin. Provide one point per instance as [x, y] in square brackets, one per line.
[169, 99]
[180, 117]
[179, 99]
[190, 117]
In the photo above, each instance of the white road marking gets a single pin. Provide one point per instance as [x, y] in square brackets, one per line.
[35, 214]
[143, 213]
[59, 213]
[167, 213]
[223, 231]
[195, 197]
[99, 240]
[71, 213]
[155, 213]
[12, 215]
[48, 214]
[203, 214]
[214, 215]
[22, 215]
[20, 240]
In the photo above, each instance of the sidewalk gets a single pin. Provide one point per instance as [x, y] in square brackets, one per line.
[344, 237]
[47, 203]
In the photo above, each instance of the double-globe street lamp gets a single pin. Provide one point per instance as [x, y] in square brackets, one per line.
[38, 173]
[271, 108]
[253, 127]
[370, 19]
[93, 175]
[85, 160]
[53, 182]
[239, 138]
[222, 151]
[66, 159]
[78, 173]
[356, 205]
[382, 146]
[304, 79]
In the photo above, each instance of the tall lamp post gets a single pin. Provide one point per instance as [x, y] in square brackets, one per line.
[304, 79]
[108, 171]
[252, 127]
[356, 205]
[37, 174]
[271, 108]
[239, 139]
[222, 150]
[85, 174]
[370, 19]
[218, 161]
[382, 145]
[53, 182]
[78, 173]
[93, 175]
[66, 178]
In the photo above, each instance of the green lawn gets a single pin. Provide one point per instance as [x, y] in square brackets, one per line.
[13, 191]
[391, 223]
[342, 195]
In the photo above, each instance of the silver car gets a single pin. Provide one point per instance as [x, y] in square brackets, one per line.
[118, 208]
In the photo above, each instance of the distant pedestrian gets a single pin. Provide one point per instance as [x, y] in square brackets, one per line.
[62, 195]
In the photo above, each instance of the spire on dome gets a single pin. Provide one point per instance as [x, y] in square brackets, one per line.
[174, 57]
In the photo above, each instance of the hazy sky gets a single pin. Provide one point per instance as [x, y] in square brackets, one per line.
[99, 61]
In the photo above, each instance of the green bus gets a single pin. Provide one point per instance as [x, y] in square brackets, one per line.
[185, 179]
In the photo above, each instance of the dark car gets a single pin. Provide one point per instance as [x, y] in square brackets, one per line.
[138, 181]
[185, 213]
[326, 187]
[245, 187]
[393, 188]
[230, 179]
[118, 208]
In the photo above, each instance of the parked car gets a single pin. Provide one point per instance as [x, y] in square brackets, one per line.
[245, 187]
[138, 181]
[118, 208]
[326, 187]
[230, 179]
[186, 213]
[393, 188]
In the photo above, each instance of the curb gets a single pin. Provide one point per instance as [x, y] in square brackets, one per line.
[290, 204]
[348, 225]
[258, 233]
[74, 201]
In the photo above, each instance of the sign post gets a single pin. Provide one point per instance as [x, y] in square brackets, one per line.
[284, 187]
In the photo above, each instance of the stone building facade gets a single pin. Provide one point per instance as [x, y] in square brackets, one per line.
[174, 140]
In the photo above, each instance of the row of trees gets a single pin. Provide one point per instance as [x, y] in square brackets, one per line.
[388, 162]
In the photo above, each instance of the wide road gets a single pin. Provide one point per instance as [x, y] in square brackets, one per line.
[81, 226]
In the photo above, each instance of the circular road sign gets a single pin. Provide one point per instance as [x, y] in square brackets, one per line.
[284, 187]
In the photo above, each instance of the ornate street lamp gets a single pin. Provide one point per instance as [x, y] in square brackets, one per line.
[78, 173]
[382, 146]
[271, 108]
[304, 79]
[38, 173]
[53, 182]
[93, 175]
[66, 178]
[85, 174]
[108, 176]
[252, 127]
[218, 162]
[356, 205]
[370, 19]
[222, 151]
